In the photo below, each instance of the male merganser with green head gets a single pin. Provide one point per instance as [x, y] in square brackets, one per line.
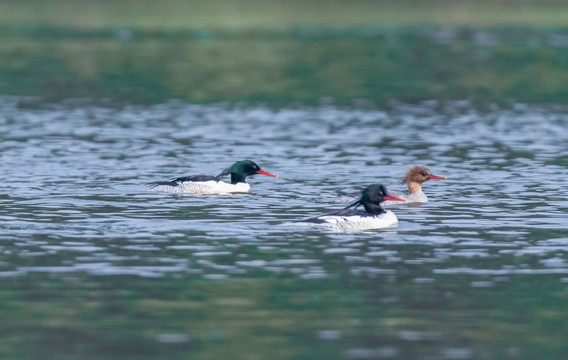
[205, 184]
[373, 217]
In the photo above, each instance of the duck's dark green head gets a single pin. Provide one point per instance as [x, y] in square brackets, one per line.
[241, 169]
[373, 196]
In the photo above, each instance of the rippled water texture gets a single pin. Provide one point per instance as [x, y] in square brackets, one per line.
[93, 264]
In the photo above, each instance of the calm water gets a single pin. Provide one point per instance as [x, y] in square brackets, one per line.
[94, 267]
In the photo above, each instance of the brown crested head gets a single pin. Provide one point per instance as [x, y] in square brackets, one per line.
[419, 174]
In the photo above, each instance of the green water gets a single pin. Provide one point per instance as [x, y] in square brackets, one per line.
[299, 66]
[54, 317]
[94, 267]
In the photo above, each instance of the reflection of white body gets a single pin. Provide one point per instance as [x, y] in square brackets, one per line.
[358, 221]
[203, 187]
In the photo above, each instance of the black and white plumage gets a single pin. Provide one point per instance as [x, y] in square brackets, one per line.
[206, 184]
[349, 218]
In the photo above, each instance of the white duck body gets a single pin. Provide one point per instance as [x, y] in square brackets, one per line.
[202, 187]
[359, 220]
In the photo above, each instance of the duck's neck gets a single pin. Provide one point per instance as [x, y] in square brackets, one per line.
[237, 178]
[414, 187]
[374, 209]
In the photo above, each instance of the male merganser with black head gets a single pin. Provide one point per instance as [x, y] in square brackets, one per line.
[205, 184]
[373, 217]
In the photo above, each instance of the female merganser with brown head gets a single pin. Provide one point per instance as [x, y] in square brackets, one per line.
[205, 184]
[414, 179]
[373, 217]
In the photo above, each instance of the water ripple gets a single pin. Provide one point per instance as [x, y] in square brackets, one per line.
[73, 196]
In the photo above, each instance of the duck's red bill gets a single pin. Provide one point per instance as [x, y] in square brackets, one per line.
[437, 177]
[262, 172]
[392, 198]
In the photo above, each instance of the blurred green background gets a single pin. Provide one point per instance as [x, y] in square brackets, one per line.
[283, 52]
[274, 14]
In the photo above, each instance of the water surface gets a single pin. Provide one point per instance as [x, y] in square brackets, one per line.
[92, 266]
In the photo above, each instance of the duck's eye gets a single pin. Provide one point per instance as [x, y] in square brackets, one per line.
[424, 174]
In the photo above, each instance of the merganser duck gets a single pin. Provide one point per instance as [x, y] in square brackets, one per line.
[414, 179]
[374, 216]
[205, 184]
